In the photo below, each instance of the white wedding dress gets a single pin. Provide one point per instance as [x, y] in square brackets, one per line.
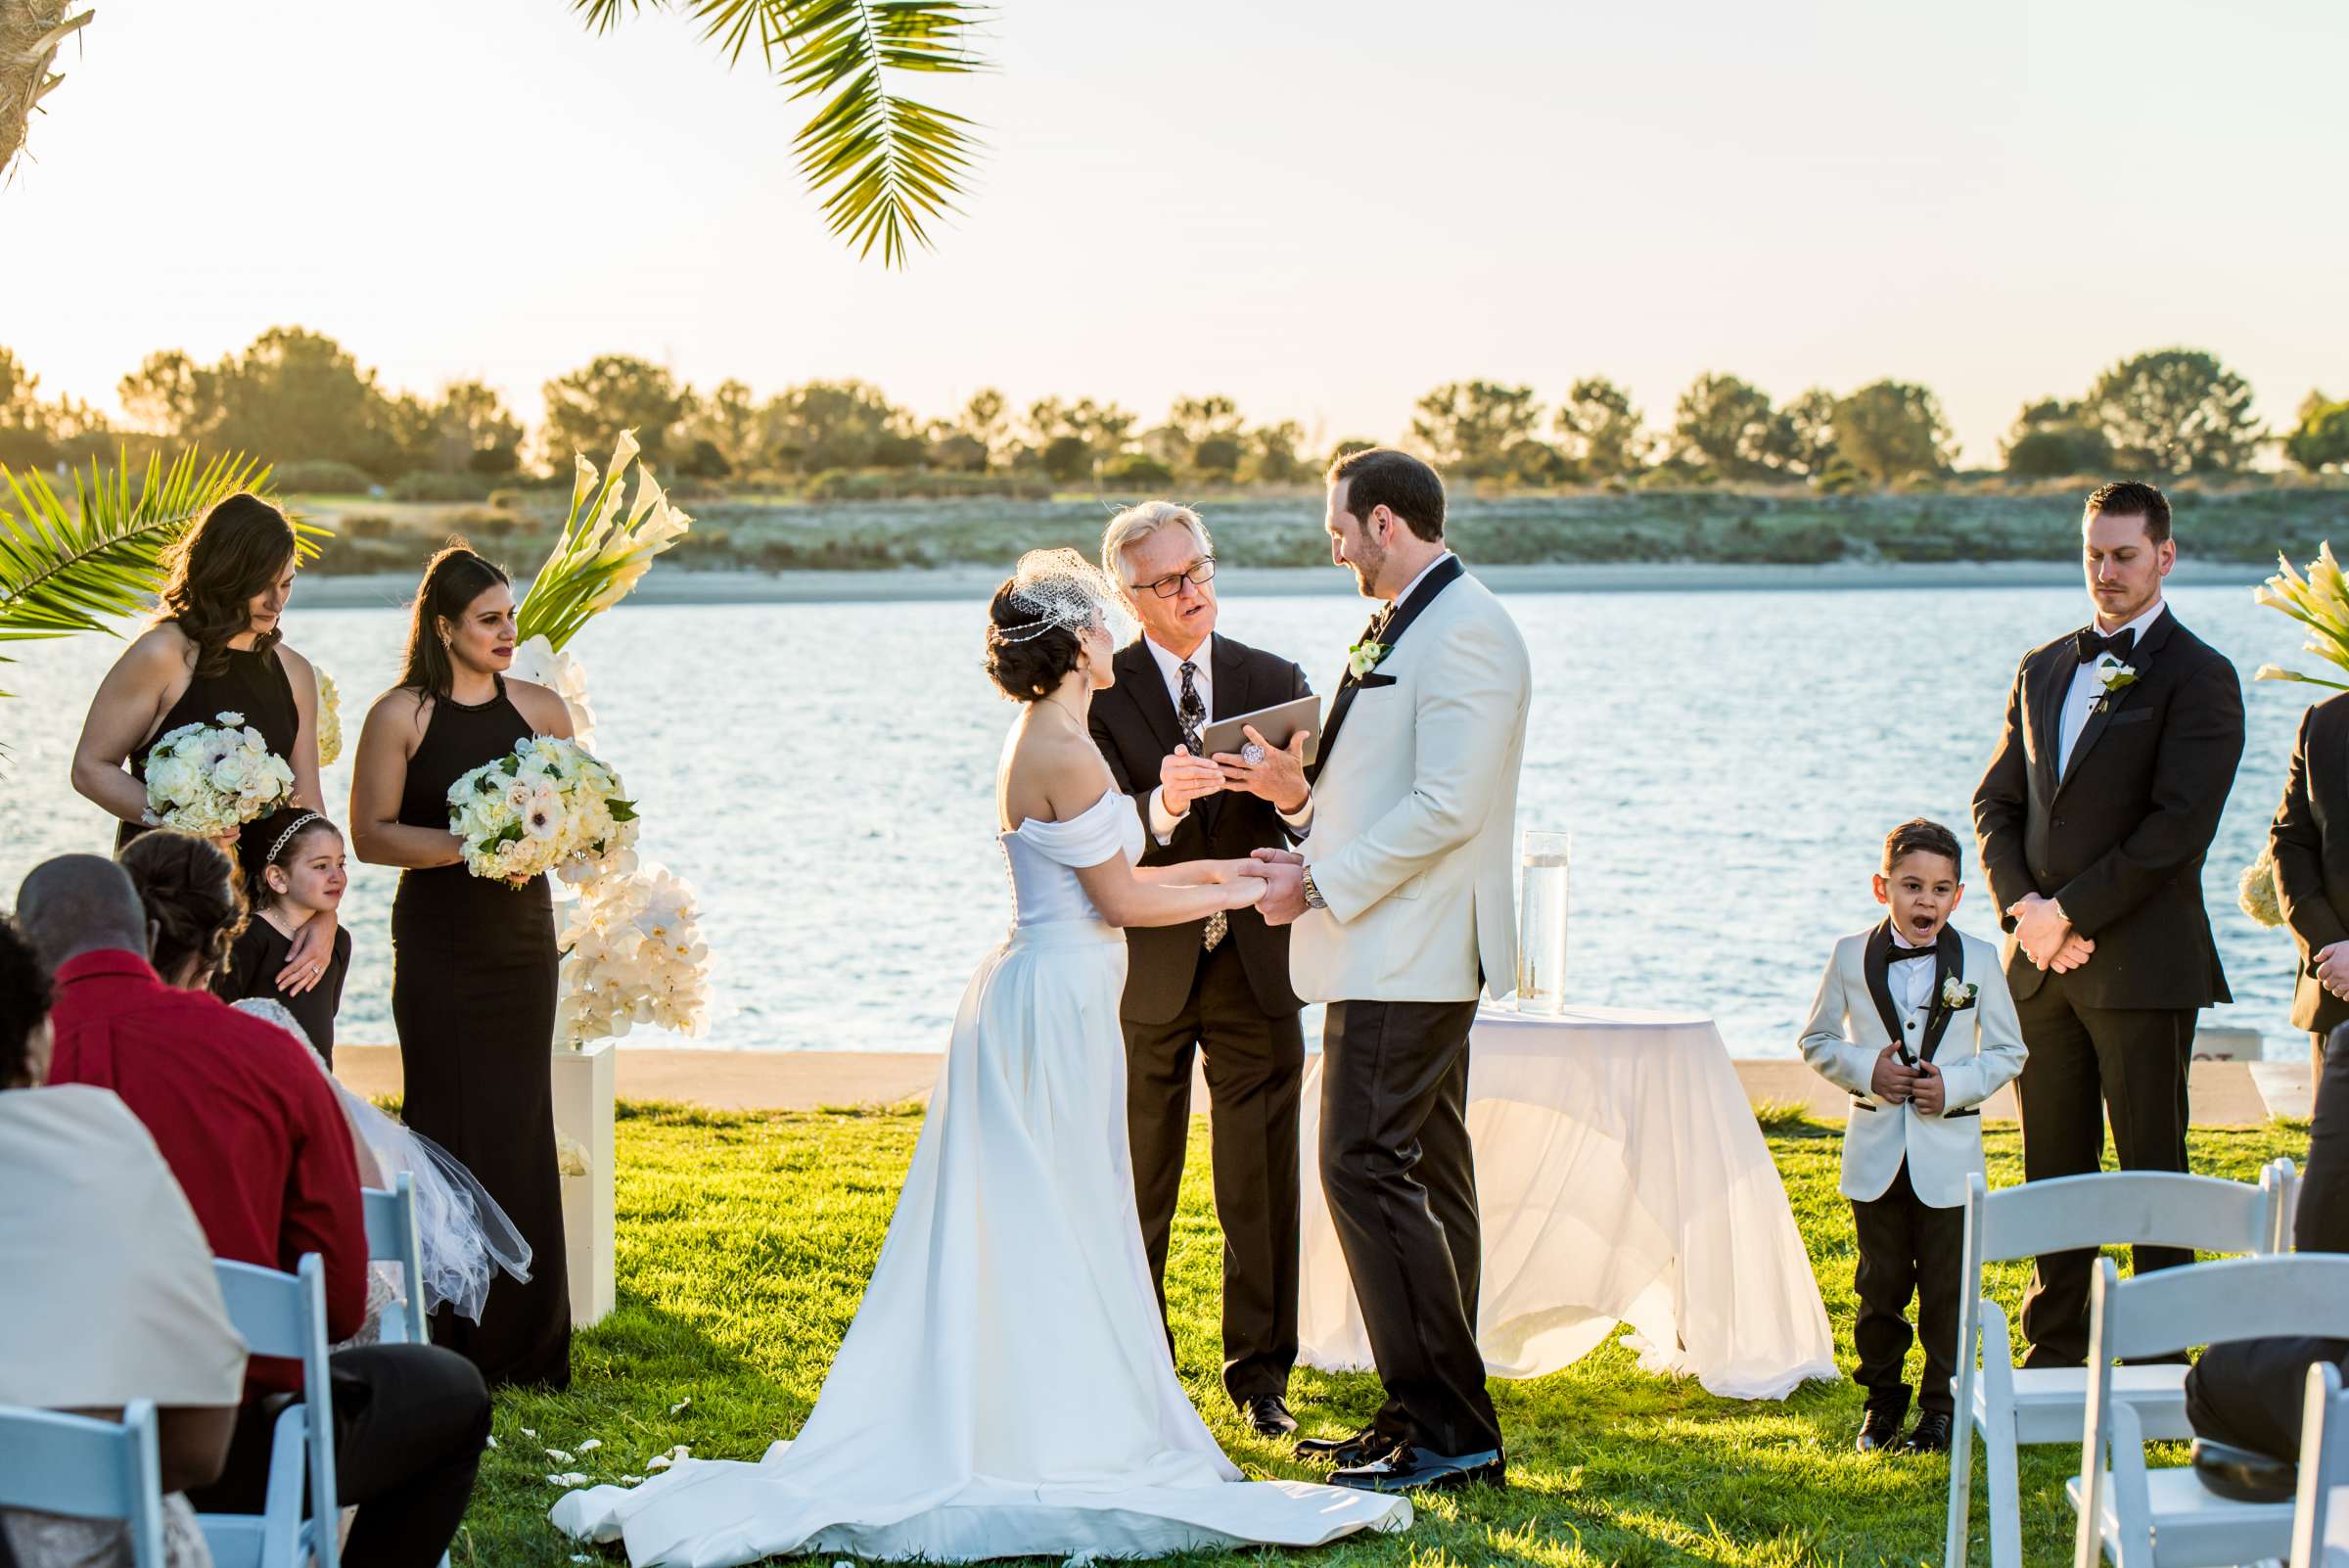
[1006, 1388]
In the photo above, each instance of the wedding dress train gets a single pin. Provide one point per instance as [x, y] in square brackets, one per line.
[1006, 1388]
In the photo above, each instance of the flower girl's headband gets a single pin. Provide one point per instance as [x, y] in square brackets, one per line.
[287, 837]
[1059, 589]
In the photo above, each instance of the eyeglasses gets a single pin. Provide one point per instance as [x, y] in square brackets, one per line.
[1168, 587]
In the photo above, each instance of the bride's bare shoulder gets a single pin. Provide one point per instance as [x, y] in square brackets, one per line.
[1051, 774]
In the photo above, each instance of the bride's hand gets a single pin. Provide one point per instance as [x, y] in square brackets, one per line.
[1241, 892]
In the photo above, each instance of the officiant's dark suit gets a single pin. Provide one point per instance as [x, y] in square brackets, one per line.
[1232, 1004]
[2310, 841]
[2109, 811]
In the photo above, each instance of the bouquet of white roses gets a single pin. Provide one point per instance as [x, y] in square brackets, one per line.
[211, 780]
[546, 806]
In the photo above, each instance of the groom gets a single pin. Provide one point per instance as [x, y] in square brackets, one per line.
[1402, 910]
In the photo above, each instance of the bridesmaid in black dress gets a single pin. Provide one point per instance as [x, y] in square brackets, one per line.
[474, 962]
[216, 647]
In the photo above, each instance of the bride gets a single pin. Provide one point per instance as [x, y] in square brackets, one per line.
[1006, 1389]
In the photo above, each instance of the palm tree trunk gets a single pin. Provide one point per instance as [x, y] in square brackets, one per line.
[30, 31]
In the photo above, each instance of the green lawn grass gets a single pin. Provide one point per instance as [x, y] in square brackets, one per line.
[745, 1242]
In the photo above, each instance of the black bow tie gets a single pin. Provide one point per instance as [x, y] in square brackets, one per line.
[2092, 647]
[1902, 954]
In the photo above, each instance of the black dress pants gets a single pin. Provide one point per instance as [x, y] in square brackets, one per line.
[1401, 1179]
[1906, 1248]
[2249, 1393]
[410, 1423]
[2088, 1064]
[1255, 1066]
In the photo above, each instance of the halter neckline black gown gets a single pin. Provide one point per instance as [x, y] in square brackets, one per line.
[474, 970]
[254, 683]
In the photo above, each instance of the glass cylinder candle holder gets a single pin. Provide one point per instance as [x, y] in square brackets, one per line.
[1541, 923]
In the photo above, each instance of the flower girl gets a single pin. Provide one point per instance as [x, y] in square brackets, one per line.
[294, 873]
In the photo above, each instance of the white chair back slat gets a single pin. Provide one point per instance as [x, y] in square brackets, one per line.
[2323, 1464]
[2288, 1201]
[2232, 1299]
[285, 1315]
[87, 1469]
[392, 1238]
[2116, 1207]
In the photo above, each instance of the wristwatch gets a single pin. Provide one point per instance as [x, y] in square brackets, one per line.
[1313, 894]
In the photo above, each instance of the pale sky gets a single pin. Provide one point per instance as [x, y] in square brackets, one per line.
[1321, 209]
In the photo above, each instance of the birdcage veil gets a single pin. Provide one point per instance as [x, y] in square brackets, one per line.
[1062, 588]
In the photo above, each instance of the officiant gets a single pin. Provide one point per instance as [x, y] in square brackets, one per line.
[1218, 988]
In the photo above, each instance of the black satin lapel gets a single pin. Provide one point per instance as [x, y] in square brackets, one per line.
[1877, 963]
[1139, 670]
[1949, 963]
[2140, 660]
[1329, 727]
[1235, 693]
[2043, 698]
[1444, 575]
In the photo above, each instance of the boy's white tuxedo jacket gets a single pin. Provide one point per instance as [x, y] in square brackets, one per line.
[1979, 1049]
[1416, 813]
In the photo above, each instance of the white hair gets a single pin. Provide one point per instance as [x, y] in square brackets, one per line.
[1135, 524]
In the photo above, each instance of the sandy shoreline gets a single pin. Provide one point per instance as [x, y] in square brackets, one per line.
[379, 590]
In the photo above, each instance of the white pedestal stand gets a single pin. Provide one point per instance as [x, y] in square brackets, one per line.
[584, 1083]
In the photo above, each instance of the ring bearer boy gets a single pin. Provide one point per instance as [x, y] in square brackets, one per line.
[1916, 1021]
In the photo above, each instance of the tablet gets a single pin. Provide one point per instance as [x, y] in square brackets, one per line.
[1278, 724]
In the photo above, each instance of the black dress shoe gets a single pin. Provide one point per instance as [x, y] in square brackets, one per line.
[1356, 1447]
[1930, 1435]
[1410, 1468]
[1880, 1430]
[2241, 1475]
[1267, 1415]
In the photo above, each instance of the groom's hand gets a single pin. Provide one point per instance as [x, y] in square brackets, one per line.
[1284, 886]
[1183, 778]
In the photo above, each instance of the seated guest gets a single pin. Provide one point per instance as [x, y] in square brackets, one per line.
[106, 1285]
[2248, 1394]
[248, 1124]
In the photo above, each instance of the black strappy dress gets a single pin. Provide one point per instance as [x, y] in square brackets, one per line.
[252, 684]
[473, 971]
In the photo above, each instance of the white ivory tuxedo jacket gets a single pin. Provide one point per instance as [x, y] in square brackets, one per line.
[1977, 1048]
[1415, 808]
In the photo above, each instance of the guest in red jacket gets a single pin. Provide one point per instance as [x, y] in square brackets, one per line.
[253, 1133]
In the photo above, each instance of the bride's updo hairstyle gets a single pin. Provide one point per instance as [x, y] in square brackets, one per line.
[1027, 668]
[1037, 621]
[193, 909]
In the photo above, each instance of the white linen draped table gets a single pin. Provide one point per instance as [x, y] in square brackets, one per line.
[1621, 1180]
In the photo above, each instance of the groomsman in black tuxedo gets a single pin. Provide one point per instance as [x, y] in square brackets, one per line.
[1219, 986]
[2310, 843]
[2120, 744]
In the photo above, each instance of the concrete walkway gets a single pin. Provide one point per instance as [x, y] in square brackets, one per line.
[2224, 1093]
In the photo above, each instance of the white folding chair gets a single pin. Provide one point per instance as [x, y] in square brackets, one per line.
[2324, 1468]
[87, 1469]
[2014, 1406]
[392, 1238]
[2167, 1518]
[285, 1315]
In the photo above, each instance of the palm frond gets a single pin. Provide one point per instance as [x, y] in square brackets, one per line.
[883, 165]
[73, 568]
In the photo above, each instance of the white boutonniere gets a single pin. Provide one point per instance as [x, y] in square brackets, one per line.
[1957, 995]
[2115, 678]
[1364, 657]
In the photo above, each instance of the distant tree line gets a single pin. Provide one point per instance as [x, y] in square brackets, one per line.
[301, 400]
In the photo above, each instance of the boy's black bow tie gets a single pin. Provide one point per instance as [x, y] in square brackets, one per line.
[1899, 954]
[2092, 647]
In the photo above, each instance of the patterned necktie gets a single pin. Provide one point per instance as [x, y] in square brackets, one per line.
[1191, 712]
